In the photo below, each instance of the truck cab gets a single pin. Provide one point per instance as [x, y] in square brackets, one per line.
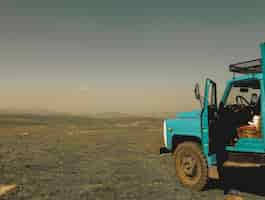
[226, 133]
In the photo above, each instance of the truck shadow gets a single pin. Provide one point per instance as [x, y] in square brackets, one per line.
[248, 180]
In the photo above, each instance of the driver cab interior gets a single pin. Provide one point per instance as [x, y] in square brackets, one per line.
[240, 110]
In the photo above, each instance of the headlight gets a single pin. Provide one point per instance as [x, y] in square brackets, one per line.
[165, 132]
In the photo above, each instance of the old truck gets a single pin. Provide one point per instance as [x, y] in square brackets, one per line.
[236, 123]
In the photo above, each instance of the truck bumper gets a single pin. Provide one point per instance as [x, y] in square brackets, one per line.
[164, 150]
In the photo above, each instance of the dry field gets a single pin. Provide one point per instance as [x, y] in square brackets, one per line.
[71, 158]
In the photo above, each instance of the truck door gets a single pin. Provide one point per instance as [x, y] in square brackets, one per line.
[209, 116]
[262, 47]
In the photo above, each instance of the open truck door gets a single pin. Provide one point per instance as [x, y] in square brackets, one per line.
[262, 47]
[209, 115]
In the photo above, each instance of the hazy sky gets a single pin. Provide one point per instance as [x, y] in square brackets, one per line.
[138, 56]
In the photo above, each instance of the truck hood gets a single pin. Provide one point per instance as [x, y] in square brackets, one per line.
[185, 124]
[189, 115]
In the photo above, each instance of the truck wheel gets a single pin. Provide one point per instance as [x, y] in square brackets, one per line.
[191, 166]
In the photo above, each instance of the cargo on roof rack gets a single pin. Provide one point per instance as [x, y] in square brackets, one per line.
[247, 67]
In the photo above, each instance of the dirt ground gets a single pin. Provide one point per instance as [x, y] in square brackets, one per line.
[70, 158]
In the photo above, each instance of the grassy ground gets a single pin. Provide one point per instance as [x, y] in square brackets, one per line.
[63, 157]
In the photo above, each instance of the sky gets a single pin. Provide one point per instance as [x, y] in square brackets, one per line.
[141, 56]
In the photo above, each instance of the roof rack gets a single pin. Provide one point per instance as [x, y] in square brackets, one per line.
[247, 67]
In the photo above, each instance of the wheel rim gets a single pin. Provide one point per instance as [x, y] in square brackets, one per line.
[189, 168]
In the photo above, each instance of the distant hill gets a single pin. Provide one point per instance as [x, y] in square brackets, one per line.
[113, 115]
[30, 112]
[106, 115]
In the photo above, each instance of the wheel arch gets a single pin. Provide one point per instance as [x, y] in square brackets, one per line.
[178, 139]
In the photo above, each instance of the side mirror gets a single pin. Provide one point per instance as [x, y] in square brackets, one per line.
[197, 91]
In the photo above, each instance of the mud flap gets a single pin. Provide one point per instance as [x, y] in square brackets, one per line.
[213, 172]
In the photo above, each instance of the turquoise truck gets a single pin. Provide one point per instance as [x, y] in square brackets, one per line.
[231, 132]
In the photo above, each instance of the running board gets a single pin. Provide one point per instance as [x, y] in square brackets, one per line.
[242, 164]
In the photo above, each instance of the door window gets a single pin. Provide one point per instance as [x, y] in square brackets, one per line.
[212, 100]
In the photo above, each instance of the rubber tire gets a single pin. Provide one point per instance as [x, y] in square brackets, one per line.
[194, 149]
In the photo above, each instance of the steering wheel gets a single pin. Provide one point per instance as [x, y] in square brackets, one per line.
[236, 107]
[240, 100]
[242, 103]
